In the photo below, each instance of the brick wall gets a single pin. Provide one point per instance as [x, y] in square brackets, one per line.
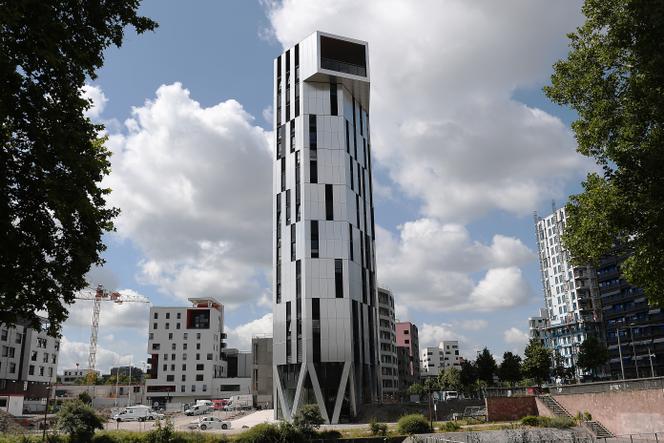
[509, 408]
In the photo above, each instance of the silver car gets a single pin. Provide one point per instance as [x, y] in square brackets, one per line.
[205, 423]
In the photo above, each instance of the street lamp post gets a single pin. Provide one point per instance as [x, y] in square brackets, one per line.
[636, 363]
[622, 367]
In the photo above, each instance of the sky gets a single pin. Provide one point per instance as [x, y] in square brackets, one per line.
[466, 147]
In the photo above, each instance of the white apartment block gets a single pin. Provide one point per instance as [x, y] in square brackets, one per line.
[387, 338]
[325, 347]
[28, 367]
[571, 295]
[185, 346]
[435, 360]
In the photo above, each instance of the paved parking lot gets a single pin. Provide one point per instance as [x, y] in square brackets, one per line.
[239, 421]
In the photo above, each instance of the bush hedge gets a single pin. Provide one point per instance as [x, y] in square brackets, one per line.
[413, 424]
[547, 422]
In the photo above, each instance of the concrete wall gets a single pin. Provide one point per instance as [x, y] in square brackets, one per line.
[509, 408]
[623, 412]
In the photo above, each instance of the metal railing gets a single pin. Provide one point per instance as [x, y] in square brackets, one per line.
[654, 437]
[609, 386]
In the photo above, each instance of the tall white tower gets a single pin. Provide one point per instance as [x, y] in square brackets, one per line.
[325, 321]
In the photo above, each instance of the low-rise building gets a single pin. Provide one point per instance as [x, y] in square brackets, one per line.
[76, 376]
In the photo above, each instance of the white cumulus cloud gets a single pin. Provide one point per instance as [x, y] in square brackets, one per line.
[194, 187]
[240, 336]
[516, 337]
[95, 95]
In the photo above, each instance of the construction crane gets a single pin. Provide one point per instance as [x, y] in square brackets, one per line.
[99, 295]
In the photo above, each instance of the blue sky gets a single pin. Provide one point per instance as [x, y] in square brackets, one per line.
[466, 147]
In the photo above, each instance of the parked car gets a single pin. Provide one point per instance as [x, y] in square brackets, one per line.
[219, 404]
[205, 423]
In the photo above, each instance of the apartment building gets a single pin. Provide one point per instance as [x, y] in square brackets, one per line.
[436, 359]
[634, 330]
[571, 294]
[387, 339]
[537, 324]
[408, 354]
[186, 359]
[325, 346]
[28, 367]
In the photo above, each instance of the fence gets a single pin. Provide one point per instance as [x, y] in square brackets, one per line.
[610, 386]
[635, 438]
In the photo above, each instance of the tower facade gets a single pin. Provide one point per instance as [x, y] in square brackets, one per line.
[325, 348]
[571, 296]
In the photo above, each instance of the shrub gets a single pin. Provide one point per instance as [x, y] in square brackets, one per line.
[328, 434]
[161, 433]
[450, 426]
[308, 419]
[587, 416]
[377, 428]
[270, 433]
[561, 422]
[413, 424]
[85, 398]
[79, 421]
[530, 420]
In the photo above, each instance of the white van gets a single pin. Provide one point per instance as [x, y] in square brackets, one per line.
[205, 402]
[136, 413]
[198, 409]
[450, 395]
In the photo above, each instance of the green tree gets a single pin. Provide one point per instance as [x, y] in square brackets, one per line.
[308, 419]
[53, 211]
[415, 389]
[592, 355]
[450, 379]
[85, 398]
[510, 369]
[468, 376]
[486, 366]
[612, 78]
[79, 421]
[537, 364]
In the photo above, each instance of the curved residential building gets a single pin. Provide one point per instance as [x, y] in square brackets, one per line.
[325, 318]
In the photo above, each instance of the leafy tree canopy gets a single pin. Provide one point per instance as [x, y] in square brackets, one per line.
[468, 375]
[79, 421]
[537, 364]
[450, 379]
[486, 366]
[510, 368]
[592, 354]
[613, 78]
[53, 211]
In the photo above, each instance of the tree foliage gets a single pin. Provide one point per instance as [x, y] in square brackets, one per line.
[592, 354]
[450, 379]
[53, 210]
[79, 421]
[468, 375]
[613, 78]
[486, 366]
[537, 364]
[308, 419]
[510, 368]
